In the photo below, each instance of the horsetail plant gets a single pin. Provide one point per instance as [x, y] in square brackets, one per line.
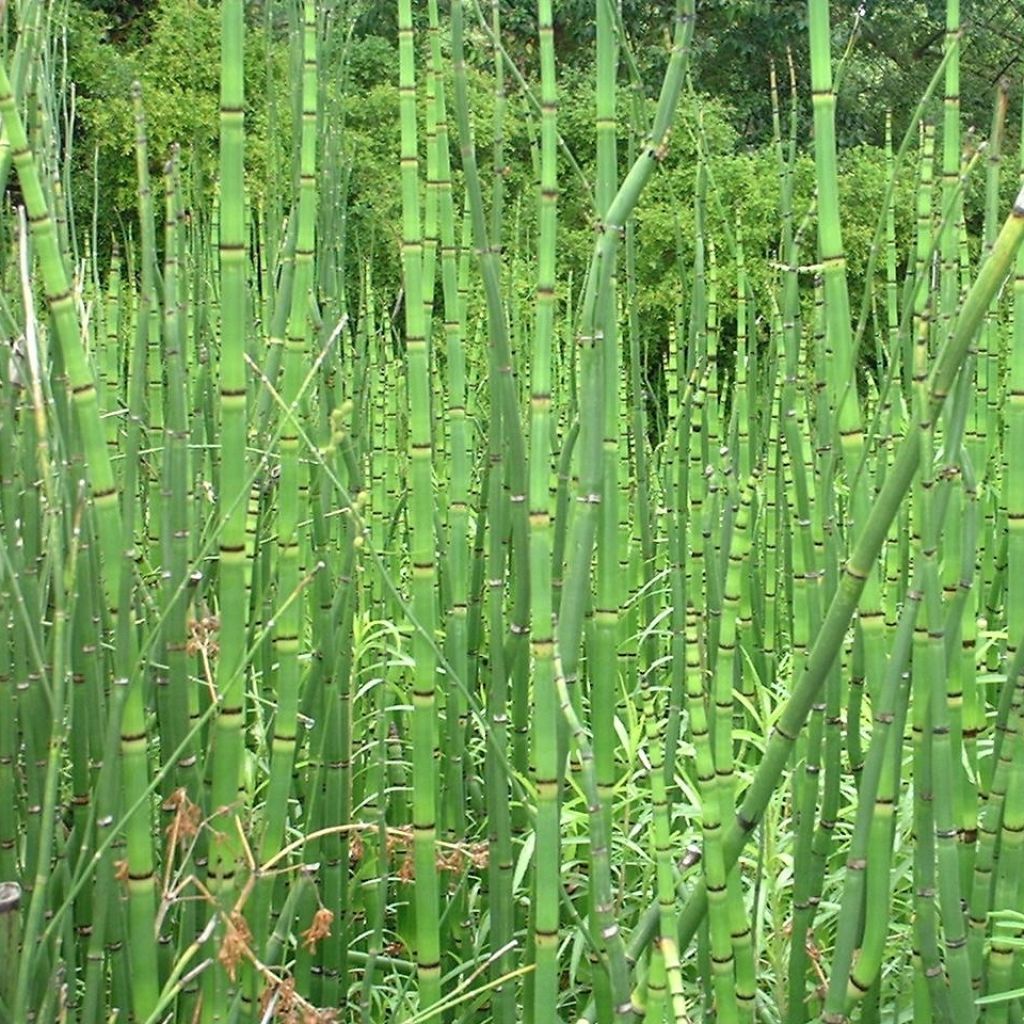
[227, 753]
[424, 728]
[460, 625]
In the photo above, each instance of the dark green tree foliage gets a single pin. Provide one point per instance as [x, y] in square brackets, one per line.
[891, 51]
[180, 95]
[129, 22]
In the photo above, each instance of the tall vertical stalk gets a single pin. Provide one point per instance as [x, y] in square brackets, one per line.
[547, 764]
[422, 550]
[228, 740]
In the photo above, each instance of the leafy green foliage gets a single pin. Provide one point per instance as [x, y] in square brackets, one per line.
[181, 103]
[181, 98]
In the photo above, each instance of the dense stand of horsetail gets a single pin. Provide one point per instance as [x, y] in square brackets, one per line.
[464, 650]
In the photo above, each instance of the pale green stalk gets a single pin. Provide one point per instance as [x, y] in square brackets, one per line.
[426, 893]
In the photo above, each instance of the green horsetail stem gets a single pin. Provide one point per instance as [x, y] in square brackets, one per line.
[180, 701]
[662, 847]
[498, 145]
[228, 741]
[44, 851]
[1003, 954]
[996, 868]
[459, 488]
[507, 520]
[844, 413]
[936, 856]
[949, 286]
[842, 386]
[547, 764]
[431, 196]
[713, 860]
[175, 488]
[602, 641]
[10, 939]
[426, 894]
[868, 876]
[288, 614]
[64, 311]
[23, 61]
[111, 352]
[1013, 470]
